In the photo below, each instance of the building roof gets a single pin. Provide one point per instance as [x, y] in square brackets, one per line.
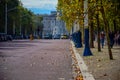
[53, 14]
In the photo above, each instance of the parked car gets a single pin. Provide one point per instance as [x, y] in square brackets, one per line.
[64, 37]
[56, 36]
[3, 37]
[9, 38]
[47, 37]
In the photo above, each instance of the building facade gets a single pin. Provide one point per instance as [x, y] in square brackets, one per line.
[52, 26]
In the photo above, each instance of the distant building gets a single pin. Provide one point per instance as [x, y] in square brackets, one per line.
[52, 26]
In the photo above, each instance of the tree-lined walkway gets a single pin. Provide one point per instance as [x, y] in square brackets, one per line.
[35, 60]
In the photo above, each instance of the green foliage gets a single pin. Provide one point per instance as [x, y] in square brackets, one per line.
[72, 9]
[17, 15]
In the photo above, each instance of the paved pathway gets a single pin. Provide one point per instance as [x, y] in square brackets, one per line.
[35, 60]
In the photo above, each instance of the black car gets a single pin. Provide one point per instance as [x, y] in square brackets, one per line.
[3, 37]
[47, 36]
[9, 38]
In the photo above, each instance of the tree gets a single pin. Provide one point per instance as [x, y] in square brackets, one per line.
[106, 15]
[26, 21]
[106, 30]
[72, 10]
[16, 13]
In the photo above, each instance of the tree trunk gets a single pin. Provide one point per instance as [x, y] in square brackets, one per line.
[98, 29]
[109, 29]
[91, 28]
[98, 33]
[14, 28]
[91, 35]
[82, 7]
[114, 22]
[106, 30]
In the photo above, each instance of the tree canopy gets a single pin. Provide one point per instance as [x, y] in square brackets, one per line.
[103, 15]
[73, 9]
[19, 19]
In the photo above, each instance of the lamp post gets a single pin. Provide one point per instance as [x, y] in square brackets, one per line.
[6, 11]
[6, 18]
[87, 51]
[20, 26]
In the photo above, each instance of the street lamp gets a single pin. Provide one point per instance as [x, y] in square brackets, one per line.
[6, 18]
[87, 51]
[6, 11]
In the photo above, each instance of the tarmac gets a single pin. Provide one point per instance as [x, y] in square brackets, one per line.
[35, 60]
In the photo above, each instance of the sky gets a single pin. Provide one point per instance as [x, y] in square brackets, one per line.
[40, 6]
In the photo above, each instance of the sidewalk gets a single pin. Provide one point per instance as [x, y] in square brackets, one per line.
[83, 74]
[99, 65]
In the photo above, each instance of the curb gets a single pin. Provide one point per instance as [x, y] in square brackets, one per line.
[83, 67]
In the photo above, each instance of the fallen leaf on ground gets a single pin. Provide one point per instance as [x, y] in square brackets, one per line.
[105, 74]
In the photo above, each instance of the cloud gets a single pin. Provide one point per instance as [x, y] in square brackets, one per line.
[41, 4]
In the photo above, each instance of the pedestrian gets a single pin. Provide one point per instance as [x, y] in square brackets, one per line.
[102, 38]
[119, 38]
[117, 35]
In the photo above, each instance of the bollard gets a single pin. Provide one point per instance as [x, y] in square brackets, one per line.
[76, 38]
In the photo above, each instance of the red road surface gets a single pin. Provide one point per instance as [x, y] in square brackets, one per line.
[35, 60]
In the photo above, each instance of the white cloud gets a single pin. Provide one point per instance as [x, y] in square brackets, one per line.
[41, 4]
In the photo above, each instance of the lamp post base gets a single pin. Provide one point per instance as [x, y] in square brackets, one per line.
[87, 51]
